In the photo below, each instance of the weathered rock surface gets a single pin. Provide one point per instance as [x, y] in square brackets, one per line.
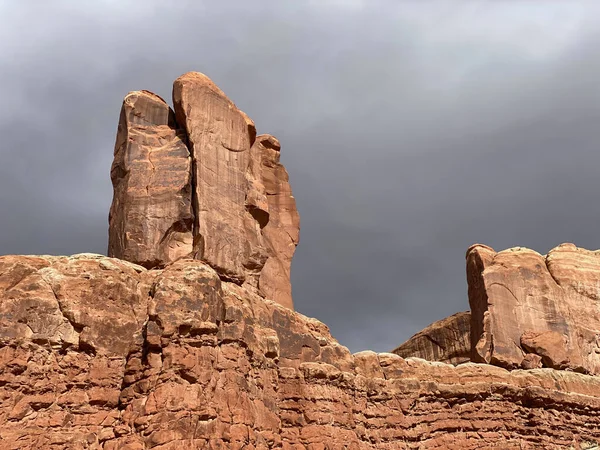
[447, 340]
[97, 353]
[199, 183]
[525, 303]
[282, 231]
[150, 221]
[219, 142]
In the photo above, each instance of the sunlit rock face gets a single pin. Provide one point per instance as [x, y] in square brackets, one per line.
[447, 340]
[150, 221]
[99, 353]
[524, 303]
[199, 183]
[187, 337]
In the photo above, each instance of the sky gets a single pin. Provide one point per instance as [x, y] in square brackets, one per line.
[410, 130]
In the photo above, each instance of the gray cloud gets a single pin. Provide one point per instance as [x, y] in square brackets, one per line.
[410, 131]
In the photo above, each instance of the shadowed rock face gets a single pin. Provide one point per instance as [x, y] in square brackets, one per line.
[199, 183]
[101, 354]
[524, 303]
[282, 231]
[447, 340]
[150, 220]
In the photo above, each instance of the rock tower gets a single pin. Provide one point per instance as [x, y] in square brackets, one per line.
[199, 183]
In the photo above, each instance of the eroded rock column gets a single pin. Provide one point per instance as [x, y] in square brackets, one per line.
[199, 183]
[150, 220]
[219, 143]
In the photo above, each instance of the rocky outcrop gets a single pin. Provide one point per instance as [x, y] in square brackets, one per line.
[447, 340]
[150, 221]
[526, 304]
[98, 353]
[199, 183]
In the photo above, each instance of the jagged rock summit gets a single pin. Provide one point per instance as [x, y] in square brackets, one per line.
[198, 183]
[186, 338]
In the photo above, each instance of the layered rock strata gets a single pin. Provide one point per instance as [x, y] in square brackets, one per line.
[199, 183]
[529, 309]
[447, 340]
[98, 353]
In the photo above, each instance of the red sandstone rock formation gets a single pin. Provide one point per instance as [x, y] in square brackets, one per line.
[150, 217]
[235, 192]
[220, 146]
[524, 303]
[282, 231]
[98, 353]
[447, 340]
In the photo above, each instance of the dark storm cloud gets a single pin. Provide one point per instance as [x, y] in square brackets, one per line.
[410, 131]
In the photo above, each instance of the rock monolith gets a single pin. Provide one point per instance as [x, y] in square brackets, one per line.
[198, 183]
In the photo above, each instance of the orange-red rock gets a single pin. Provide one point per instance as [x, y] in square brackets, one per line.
[447, 340]
[108, 355]
[523, 302]
[219, 142]
[150, 221]
[282, 231]
[202, 185]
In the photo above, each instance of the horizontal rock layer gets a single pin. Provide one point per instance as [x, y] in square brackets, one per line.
[98, 353]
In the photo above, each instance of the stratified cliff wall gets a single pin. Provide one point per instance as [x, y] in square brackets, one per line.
[98, 353]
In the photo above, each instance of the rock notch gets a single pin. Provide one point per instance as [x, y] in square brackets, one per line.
[199, 183]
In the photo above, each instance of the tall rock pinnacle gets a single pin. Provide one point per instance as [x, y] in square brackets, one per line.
[199, 183]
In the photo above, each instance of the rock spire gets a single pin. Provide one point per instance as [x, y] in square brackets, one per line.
[198, 183]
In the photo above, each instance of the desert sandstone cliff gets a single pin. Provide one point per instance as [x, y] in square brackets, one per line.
[186, 338]
[99, 353]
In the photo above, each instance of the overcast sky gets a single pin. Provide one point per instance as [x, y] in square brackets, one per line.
[410, 131]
